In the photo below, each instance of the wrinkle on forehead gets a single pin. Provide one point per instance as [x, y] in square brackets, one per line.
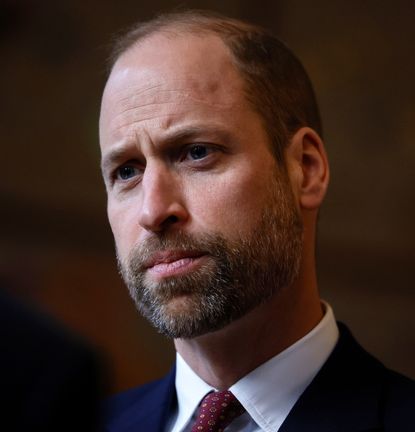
[169, 91]
[165, 101]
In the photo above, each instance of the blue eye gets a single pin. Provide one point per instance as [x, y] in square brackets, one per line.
[198, 152]
[126, 172]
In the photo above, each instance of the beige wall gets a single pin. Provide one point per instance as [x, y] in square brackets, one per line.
[55, 244]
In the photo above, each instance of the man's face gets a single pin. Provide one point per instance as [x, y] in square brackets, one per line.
[204, 220]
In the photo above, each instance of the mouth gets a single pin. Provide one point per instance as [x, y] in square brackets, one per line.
[173, 263]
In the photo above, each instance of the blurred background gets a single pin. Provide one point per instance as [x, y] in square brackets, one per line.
[56, 248]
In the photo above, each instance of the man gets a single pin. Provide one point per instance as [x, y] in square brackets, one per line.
[215, 170]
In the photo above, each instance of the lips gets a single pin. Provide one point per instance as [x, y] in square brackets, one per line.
[171, 257]
[168, 257]
[173, 263]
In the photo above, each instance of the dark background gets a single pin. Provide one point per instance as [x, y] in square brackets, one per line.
[56, 247]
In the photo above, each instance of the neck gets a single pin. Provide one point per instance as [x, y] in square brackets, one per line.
[223, 357]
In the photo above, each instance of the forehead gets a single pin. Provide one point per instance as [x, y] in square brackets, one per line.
[203, 58]
[174, 74]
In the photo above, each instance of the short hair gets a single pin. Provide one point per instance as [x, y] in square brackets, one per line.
[277, 85]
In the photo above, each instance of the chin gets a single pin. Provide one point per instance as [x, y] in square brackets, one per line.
[182, 318]
[180, 306]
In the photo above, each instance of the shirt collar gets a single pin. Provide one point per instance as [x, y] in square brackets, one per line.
[269, 392]
[191, 389]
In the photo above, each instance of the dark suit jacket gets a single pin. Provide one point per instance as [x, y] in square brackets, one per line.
[49, 380]
[352, 392]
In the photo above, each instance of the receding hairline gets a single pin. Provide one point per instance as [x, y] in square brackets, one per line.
[196, 22]
[171, 33]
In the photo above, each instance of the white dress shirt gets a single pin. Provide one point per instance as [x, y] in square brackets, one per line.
[269, 392]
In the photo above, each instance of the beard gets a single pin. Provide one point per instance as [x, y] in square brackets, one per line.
[237, 276]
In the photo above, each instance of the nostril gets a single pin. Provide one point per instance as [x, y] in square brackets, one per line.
[171, 220]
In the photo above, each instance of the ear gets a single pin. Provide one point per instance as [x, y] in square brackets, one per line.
[308, 168]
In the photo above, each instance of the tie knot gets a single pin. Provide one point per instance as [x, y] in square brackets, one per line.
[216, 411]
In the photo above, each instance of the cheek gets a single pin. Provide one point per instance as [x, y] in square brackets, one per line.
[231, 205]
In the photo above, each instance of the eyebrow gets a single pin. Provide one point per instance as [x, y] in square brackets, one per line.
[190, 133]
[171, 139]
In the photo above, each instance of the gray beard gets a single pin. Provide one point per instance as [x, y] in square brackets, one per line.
[238, 275]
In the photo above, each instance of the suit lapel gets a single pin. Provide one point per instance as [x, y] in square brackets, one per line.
[345, 394]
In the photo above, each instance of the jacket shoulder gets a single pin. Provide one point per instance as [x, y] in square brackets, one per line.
[398, 400]
[354, 391]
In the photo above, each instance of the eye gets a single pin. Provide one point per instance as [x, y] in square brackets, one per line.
[126, 172]
[198, 151]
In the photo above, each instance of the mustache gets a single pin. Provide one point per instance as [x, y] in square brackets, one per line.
[143, 252]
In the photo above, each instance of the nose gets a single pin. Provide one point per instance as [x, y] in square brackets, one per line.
[161, 206]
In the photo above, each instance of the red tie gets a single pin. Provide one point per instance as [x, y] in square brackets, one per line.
[216, 411]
